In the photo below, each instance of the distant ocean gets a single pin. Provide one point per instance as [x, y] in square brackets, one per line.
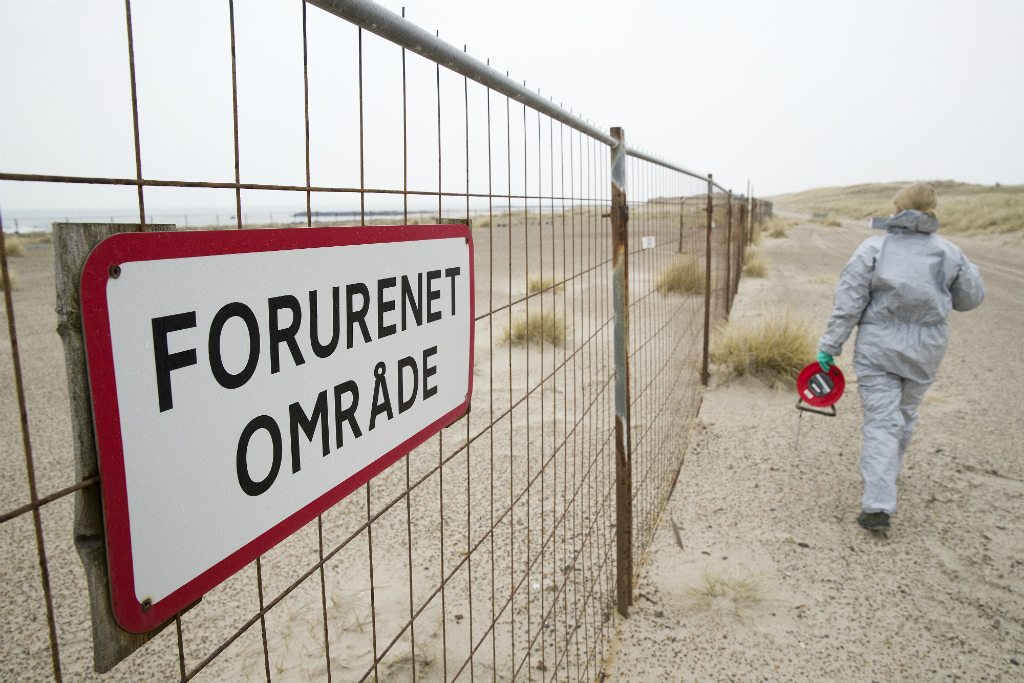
[42, 221]
[32, 221]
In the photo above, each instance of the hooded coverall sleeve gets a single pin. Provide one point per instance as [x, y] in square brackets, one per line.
[967, 288]
[853, 292]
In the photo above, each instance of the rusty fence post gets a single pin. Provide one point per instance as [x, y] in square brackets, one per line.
[750, 217]
[738, 259]
[741, 257]
[728, 255]
[707, 288]
[682, 213]
[26, 442]
[623, 453]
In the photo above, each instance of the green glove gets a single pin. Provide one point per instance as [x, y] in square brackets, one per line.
[825, 360]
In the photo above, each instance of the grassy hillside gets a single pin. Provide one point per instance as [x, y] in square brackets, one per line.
[962, 207]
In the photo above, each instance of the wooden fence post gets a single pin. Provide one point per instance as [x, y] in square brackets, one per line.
[72, 244]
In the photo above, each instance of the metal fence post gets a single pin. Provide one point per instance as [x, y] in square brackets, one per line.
[623, 454]
[26, 441]
[728, 256]
[707, 288]
[743, 244]
[682, 214]
[750, 217]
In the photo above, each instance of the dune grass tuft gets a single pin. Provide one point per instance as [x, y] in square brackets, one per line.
[755, 264]
[682, 275]
[14, 245]
[36, 238]
[15, 282]
[776, 226]
[830, 222]
[746, 590]
[775, 348]
[539, 283]
[538, 328]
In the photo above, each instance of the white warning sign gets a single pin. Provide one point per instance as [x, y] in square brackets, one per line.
[244, 381]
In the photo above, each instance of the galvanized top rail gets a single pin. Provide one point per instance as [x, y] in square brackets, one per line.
[388, 25]
[661, 162]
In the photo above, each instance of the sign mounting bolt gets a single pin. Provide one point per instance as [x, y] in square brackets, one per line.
[115, 271]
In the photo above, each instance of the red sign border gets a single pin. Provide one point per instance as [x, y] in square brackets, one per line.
[152, 246]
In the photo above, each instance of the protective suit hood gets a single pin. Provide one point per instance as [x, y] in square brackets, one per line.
[913, 221]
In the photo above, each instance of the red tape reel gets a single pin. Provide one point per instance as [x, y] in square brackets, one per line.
[820, 389]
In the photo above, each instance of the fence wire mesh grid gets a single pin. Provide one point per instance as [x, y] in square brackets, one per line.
[487, 553]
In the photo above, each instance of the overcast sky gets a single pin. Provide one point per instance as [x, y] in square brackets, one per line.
[790, 95]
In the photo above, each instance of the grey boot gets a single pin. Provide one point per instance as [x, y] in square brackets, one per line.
[874, 520]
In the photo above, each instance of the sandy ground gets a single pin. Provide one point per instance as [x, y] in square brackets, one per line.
[808, 594]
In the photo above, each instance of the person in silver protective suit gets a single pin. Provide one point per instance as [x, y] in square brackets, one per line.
[898, 288]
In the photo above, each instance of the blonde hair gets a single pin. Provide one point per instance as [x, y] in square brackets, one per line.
[917, 197]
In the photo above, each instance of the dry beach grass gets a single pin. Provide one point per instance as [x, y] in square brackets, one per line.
[774, 348]
[776, 226]
[684, 276]
[754, 263]
[536, 328]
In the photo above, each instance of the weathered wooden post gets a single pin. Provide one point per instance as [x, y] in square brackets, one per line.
[72, 243]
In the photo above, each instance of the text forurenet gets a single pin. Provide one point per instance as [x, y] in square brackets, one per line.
[251, 385]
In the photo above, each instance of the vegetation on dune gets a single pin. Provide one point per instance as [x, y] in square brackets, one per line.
[745, 590]
[962, 207]
[754, 263]
[537, 328]
[776, 226]
[36, 238]
[15, 282]
[539, 283]
[684, 275]
[774, 348]
[14, 245]
[17, 241]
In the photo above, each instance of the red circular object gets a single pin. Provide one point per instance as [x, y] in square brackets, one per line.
[820, 389]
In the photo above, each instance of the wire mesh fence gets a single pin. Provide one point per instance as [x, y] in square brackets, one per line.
[490, 551]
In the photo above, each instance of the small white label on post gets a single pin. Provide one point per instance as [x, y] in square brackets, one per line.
[647, 243]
